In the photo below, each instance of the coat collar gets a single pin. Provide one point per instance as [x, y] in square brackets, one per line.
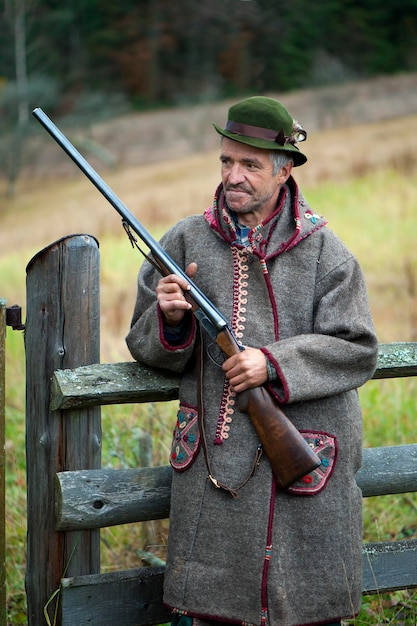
[290, 223]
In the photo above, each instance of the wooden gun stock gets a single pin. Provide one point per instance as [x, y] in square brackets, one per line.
[289, 454]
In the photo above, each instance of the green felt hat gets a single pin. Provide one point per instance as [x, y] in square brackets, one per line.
[264, 123]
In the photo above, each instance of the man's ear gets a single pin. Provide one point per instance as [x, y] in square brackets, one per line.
[285, 172]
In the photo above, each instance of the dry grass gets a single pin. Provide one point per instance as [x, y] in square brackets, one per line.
[343, 153]
[45, 210]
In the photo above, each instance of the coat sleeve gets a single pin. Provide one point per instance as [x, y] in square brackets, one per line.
[341, 352]
[146, 340]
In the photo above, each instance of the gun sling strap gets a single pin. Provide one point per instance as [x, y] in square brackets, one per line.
[234, 491]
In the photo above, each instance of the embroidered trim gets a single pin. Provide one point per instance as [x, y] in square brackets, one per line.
[186, 438]
[325, 445]
[264, 616]
[227, 408]
[313, 217]
[240, 299]
[264, 266]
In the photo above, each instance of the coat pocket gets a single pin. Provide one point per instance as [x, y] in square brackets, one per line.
[186, 438]
[325, 446]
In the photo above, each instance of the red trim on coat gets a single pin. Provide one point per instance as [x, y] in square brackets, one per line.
[281, 398]
[165, 343]
[274, 306]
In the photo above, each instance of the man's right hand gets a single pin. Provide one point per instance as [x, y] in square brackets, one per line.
[170, 294]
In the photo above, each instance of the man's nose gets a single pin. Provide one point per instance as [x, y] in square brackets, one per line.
[236, 174]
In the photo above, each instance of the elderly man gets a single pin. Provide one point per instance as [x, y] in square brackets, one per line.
[296, 299]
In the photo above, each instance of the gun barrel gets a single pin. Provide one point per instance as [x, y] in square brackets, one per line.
[212, 313]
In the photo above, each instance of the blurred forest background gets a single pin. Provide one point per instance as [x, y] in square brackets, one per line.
[90, 60]
[159, 52]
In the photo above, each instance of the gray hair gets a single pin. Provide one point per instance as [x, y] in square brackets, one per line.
[279, 159]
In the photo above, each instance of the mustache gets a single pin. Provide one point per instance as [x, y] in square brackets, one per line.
[244, 188]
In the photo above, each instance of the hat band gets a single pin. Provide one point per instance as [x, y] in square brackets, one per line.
[257, 132]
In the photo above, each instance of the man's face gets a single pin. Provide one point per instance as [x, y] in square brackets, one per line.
[250, 187]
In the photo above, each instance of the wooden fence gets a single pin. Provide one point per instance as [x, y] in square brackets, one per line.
[70, 497]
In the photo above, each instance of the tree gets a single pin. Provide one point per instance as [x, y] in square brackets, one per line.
[15, 11]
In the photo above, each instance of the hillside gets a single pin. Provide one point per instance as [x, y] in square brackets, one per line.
[352, 129]
[143, 138]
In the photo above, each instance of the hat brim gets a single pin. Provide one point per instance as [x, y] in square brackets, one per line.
[298, 157]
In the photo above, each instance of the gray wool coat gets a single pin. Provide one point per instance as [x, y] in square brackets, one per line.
[296, 292]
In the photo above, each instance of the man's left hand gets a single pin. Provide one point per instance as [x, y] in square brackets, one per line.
[246, 369]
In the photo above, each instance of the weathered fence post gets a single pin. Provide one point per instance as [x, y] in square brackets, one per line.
[62, 331]
[3, 617]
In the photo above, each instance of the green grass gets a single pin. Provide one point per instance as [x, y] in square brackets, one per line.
[15, 477]
[376, 216]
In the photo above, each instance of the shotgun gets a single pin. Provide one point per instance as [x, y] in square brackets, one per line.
[288, 453]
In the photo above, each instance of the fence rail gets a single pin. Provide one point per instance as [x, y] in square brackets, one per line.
[70, 498]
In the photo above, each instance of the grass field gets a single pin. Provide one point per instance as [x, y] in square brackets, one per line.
[369, 198]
